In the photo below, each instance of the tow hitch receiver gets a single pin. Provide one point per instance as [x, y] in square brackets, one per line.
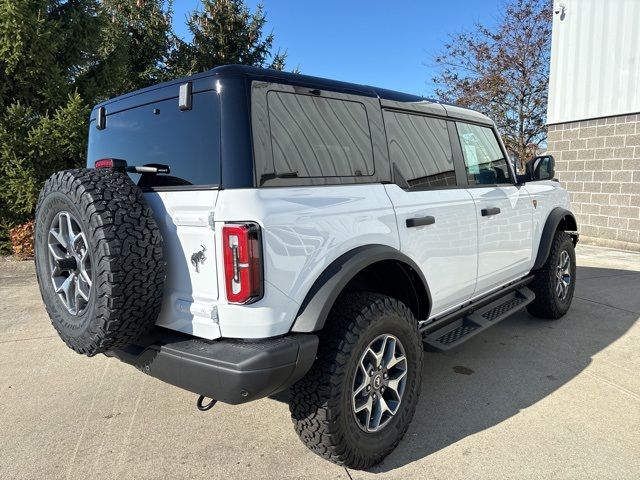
[202, 407]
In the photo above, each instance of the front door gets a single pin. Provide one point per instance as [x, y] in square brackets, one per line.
[504, 211]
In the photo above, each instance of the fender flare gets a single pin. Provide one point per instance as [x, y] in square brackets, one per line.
[555, 218]
[316, 306]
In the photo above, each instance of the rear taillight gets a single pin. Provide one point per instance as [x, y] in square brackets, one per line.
[242, 262]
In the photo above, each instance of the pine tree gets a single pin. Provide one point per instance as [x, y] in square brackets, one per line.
[32, 147]
[134, 44]
[224, 32]
[29, 70]
[44, 45]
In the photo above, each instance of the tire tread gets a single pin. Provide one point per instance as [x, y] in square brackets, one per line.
[128, 264]
[546, 304]
[314, 400]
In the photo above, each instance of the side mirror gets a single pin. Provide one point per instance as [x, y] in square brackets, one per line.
[542, 167]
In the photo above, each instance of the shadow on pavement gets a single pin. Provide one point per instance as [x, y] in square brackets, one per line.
[514, 365]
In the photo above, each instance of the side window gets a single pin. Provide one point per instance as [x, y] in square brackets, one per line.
[314, 136]
[483, 158]
[420, 150]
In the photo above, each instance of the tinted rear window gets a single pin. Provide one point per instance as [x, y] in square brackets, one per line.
[188, 141]
[319, 137]
[420, 149]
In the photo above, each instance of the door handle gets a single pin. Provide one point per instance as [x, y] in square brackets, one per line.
[420, 221]
[487, 212]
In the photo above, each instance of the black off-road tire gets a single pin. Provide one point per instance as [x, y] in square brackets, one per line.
[125, 249]
[547, 305]
[320, 402]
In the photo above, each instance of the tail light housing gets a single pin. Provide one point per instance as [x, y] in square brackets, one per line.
[242, 254]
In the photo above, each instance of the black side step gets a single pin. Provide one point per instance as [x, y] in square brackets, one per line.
[456, 332]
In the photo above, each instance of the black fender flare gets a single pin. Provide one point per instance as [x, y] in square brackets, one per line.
[557, 216]
[316, 306]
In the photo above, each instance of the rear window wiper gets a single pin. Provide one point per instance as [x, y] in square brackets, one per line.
[149, 168]
[119, 164]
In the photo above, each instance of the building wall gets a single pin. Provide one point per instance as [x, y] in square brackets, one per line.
[598, 161]
[595, 60]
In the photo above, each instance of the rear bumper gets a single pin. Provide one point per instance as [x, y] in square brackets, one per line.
[231, 371]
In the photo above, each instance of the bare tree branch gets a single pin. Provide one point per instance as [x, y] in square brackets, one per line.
[503, 72]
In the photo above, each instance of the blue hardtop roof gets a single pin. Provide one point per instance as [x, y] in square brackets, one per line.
[275, 76]
[255, 73]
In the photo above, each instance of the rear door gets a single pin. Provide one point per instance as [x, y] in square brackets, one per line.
[155, 130]
[504, 211]
[435, 215]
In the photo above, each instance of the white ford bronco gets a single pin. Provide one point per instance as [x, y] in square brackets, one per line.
[245, 231]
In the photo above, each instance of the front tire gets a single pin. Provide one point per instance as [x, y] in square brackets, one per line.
[356, 403]
[555, 282]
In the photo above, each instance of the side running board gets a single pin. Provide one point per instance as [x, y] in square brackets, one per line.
[455, 332]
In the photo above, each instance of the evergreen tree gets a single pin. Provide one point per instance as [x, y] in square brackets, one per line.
[32, 147]
[224, 32]
[29, 68]
[134, 43]
[44, 45]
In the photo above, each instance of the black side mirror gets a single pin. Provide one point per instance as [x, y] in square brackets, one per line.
[542, 167]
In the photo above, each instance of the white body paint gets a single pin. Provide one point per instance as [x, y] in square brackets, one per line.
[463, 255]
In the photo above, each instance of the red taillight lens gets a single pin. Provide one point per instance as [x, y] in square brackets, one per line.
[104, 163]
[110, 163]
[242, 262]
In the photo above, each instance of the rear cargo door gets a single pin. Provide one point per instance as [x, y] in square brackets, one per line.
[191, 286]
[156, 129]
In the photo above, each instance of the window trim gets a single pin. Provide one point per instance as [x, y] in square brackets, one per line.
[181, 188]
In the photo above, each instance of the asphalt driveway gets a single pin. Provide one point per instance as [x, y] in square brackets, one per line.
[526, 399]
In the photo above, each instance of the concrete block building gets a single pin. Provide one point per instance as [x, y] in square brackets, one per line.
[594, 116]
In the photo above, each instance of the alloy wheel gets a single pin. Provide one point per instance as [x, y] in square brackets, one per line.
[563, 275]
[379, 383]
[69, 263]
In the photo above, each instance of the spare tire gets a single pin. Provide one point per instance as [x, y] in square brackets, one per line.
[99, 261]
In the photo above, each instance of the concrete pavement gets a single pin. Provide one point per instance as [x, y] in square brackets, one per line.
[527, 399]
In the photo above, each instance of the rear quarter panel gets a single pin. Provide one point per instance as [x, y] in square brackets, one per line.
[303, 230]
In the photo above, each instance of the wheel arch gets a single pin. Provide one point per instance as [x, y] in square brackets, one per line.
[376, 268]
[559, 219]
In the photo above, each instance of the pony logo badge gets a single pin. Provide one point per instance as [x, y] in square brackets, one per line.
[198, 258]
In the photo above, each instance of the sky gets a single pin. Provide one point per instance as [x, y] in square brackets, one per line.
[388, 44]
